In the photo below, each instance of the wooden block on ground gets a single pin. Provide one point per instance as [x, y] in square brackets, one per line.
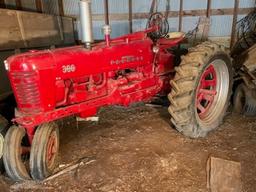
[223, 175]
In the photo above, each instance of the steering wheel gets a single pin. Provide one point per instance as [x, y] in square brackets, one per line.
[157, 19]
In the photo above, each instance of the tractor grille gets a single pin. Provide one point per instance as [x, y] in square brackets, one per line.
[27, 92]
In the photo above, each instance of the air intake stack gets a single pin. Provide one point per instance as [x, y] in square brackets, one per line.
[86, 22]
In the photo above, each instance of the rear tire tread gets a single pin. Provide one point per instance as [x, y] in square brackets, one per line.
[183, 87]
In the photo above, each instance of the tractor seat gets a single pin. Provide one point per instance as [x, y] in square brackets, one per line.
[175, 35]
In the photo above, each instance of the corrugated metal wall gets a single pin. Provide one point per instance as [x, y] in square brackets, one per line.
[50, 7]
[220, 25]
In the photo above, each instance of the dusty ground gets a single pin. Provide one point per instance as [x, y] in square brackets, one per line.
[135, 149]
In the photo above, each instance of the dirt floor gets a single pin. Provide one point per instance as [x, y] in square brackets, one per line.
[135, 149]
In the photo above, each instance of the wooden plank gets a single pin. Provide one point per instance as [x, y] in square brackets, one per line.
[180, 15]
[21, 27]
[39, 6]
[61, 7]
[233, 32]
[27, 29]
[60, 27]
[18, 4]
[10, 35]
[45, 33]
[203, 29]
[223, 175]
[2, 4]
[186, 13]
[207, 21]
[130, 15]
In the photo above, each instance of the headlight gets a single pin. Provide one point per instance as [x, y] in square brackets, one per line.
[6, 64]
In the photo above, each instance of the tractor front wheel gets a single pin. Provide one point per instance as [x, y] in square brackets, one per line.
[44, 151]
[16, 154]
[3, 129]
[201, 90]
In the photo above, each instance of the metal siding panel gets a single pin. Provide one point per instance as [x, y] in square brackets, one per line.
[189, 23]
[194, 4]
[174, 24]
[10, 4]
[97, 29]
[142, 6]
[247, 3]
[221, 26]
[50, 7]
[29, 5]
[161, 5]
[98, 6]
[175, 5]
[222, 4]
[71, 7]
[139, 24]
[118, 6]
[119, 28]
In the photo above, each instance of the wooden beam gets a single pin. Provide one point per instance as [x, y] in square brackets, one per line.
[181, 15]
[130, 16]
[2, 4]
[233, 32]
[39, 6]
[61, 7]
[18, 4]
[29, 25]
[208, 12]
[106, 12]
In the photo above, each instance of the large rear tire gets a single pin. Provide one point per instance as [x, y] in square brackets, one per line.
[201, 90]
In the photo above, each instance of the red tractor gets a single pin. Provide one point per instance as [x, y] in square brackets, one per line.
[53, 84]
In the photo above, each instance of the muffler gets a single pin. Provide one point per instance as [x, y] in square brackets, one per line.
[86, 22]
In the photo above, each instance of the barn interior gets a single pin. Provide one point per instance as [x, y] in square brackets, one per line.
[126, 95]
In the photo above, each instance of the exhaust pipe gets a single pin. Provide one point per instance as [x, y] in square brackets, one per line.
[86, 22]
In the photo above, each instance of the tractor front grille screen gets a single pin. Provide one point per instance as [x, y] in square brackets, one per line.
[26, 91]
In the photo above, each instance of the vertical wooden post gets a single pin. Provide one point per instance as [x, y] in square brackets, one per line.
[18, 4]
[2, 4]
[180, 15]
[39, 6]
[130, 16]
[208, 12]
[106, 13]
[61, 7]
[233, 32]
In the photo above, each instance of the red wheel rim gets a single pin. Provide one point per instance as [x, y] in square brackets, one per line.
[51, 149]
[206, 91]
